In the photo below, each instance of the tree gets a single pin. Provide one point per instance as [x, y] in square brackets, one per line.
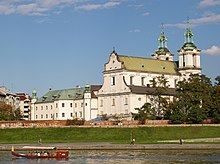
[192, 103]
[159, 101]
[217, 80]
[143, 113]
[7, 113]
[215, 111]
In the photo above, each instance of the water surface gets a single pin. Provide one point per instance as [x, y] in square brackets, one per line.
[123, 157]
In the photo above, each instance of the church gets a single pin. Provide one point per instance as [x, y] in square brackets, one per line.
[126, 85]
[127, 79]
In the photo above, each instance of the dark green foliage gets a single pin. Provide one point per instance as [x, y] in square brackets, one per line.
[215, 111]
[143, 113]
[192, 105]
[159, 100]
[217, 79]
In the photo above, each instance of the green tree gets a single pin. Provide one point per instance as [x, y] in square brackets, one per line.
[144, 113]
[217, 79]
[159, 101]
[215, 111]
[193, 104]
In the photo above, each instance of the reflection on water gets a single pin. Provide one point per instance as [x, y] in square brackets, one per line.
[123, 157]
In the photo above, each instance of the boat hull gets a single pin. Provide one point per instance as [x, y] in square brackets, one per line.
[58, 154]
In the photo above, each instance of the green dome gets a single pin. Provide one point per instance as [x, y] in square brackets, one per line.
[189, 46]
[162, 51]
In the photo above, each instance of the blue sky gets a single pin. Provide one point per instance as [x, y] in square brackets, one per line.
[63, 43]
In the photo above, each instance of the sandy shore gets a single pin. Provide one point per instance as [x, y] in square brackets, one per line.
[110, 146]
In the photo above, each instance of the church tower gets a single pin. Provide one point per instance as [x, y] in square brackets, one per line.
[189, 55]
[162, 53]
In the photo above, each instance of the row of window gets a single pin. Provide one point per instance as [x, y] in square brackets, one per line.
[52, 116]
[113, 81]
[114, 104]
[63, 105]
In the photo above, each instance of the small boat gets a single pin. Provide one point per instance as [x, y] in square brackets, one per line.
[41, 152]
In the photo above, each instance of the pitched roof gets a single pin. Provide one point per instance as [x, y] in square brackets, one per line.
[4, 91]
[64, 94]
[148, 65]
[67, 94]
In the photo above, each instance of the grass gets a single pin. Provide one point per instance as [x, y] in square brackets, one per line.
[114, 135]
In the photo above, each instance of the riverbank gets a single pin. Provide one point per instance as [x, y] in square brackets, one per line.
[123, 135]
[109, 146]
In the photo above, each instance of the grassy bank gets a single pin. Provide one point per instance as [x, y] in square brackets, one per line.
[115, 135]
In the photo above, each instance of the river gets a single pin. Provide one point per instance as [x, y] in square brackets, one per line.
[123, 157]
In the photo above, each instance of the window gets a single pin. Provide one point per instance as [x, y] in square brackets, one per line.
[142, 80]
[56, 115]
[75, 114]
[75, 105]
[63, 114]
[80, 114]
[71, 105]
[56, 105]
[46, 107]
[36, 116]
[42, 107]
[184, 63]
[86, 104]
[101, 103]
[42, 116]
[51, 115]
[46, 115]
[113, 80]
[71, 114]
[131, 80]
[113, 102]
[175, 83]
[63, 105]
[51, 107]
[36, 108]
[126, 101]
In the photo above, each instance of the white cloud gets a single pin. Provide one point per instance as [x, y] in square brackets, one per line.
[33, 7]
[206, 3]
[42, 7]
[135, 30]
[177, 25]
[211, 18]
[106, 5]
[214, 50]
[146, 14]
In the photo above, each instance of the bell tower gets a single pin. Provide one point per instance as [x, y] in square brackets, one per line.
[189, 55]
[162, 53]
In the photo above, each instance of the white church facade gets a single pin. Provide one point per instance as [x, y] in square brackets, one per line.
[126, 84]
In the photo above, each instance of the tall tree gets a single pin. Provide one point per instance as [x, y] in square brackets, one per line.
[215, 111]
[159, 101]
[192, 102]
